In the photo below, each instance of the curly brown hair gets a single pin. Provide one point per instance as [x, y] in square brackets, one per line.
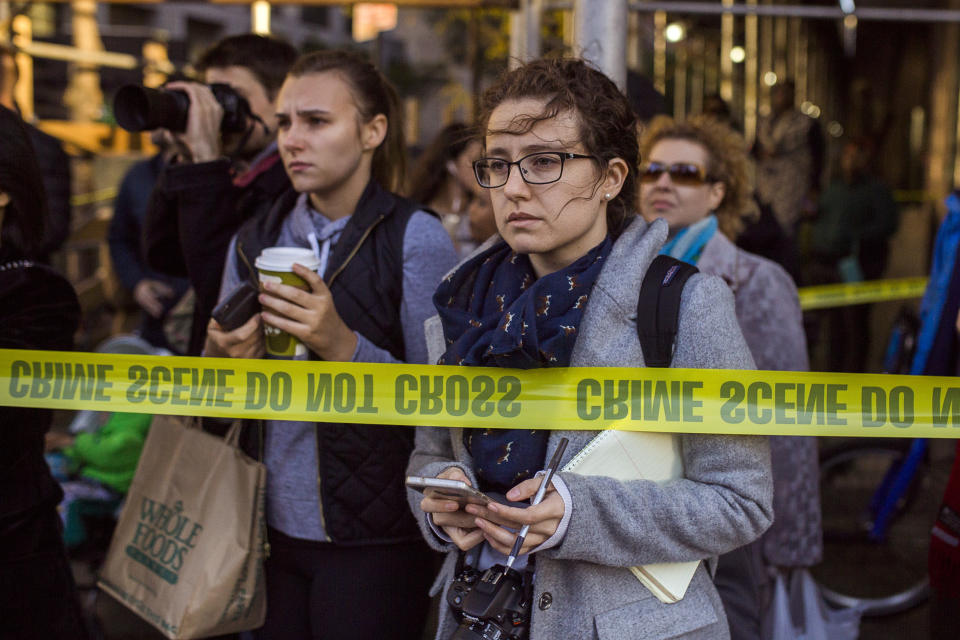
[607, 123]
[728, 163]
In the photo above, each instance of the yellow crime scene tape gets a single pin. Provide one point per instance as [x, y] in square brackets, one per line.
[631, 399]
[839, 295]
[100, 195]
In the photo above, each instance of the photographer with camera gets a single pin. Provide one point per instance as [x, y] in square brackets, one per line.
[560, 286]
[228, 169]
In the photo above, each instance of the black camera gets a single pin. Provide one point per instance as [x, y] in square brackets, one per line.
[139, 108]
[494, 605]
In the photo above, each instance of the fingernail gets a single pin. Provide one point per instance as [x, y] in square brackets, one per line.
[267, 285]
[513, 494]
[451, 506]
[493, 507]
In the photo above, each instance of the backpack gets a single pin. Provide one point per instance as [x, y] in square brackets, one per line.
[660, 293]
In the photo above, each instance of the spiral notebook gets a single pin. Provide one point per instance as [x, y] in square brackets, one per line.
[631, 455]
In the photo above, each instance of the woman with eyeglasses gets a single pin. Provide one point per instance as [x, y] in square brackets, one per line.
[557, 287]
[695, 177]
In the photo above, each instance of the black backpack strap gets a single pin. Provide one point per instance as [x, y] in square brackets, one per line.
[658, 308]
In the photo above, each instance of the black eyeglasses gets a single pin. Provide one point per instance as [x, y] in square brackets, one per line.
[543, 167]
[684, 174]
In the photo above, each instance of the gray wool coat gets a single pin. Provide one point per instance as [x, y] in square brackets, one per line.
[768, 311]
[723, 501]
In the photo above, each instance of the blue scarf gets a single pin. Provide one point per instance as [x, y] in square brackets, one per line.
[689, 242]
[496, 313]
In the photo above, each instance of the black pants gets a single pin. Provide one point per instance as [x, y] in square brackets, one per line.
[37, 594]
[323, 591]
[744, 589]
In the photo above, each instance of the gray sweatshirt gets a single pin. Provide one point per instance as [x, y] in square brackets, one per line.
[293, 497]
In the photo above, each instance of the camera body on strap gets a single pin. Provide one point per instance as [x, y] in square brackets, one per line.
[493, 604]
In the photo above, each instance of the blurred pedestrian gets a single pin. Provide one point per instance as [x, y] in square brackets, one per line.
[220, 180]
[856, 217]
[559, 288]
[717, 108]
[346, 559]
[38, 310]
[442, 180]
[695, 176]
[51, 158]
[155, 293]
[761, 233]
[849, 242]
[789, 150]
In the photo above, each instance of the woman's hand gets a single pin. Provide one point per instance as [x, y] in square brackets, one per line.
[246, 341]
[446, 514]
[309, 316]
[150, 295]
[543, 518]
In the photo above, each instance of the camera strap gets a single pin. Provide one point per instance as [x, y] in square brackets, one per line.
[249, 132]
[235, 156]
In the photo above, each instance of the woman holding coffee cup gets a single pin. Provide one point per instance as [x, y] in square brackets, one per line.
[346, 557]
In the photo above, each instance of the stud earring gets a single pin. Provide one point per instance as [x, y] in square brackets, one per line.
[606, 196]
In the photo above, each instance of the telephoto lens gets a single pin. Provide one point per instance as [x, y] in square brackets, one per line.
[139, 108]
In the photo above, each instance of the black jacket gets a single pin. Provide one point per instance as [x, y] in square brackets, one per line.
[55, 166]
[38, 310]
[194, 211]
[360, 468]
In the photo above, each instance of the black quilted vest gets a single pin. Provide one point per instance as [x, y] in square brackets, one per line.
[360, 468]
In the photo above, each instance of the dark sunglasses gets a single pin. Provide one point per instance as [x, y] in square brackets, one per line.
[684, 174]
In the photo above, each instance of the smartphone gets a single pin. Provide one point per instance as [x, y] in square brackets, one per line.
[455, 490]
[238, 307]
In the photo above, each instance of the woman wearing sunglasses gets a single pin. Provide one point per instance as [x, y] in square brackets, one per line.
[695, 177]
[559, 287]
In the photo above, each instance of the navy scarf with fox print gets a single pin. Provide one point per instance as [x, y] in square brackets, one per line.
[496, 313]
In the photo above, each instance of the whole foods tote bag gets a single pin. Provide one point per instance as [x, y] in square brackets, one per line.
[187, 554]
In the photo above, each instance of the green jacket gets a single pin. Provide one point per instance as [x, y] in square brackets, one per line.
[110, 455]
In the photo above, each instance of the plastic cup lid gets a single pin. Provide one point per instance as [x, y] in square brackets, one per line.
[283, 259]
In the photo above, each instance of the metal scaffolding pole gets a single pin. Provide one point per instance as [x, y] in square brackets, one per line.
[600, 33]
[799, 11]
[525, 31]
